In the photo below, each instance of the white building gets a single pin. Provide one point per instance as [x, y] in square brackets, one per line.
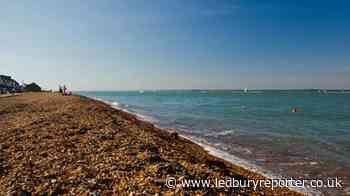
[7, 84]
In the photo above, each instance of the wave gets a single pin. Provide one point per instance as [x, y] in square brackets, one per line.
[123, 107]
[115, 103]
[222, 133]
[145, 118]
[245, 164]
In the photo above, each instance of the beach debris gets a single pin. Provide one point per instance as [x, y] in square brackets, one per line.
[84, 130]
[174, 135]
[105, 136]
[25, 193]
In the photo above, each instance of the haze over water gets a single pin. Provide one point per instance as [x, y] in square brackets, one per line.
[258, 126]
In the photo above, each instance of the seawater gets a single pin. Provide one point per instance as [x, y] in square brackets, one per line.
[257, 126]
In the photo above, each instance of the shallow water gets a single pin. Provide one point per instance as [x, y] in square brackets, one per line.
[258, 126]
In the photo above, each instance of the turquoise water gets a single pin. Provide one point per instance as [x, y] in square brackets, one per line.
[258, 126]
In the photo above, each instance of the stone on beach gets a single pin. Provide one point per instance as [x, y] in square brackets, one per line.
[52, 144]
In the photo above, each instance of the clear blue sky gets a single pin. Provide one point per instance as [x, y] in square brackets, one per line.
[167, 44]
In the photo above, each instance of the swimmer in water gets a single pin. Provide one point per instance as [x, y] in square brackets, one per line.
[294, 110]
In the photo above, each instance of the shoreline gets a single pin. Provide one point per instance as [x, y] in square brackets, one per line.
[67, 134]
[211, 150]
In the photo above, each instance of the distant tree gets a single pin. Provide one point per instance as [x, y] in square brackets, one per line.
[32, 87]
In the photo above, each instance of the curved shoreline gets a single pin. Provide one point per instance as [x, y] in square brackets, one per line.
[231, 159]
[53, 144]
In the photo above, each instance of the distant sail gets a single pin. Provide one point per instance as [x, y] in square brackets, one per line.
[245, 90]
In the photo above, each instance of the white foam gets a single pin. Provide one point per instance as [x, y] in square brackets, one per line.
[219, 153]
[222, 133]
[145, 118]
[115, 103]
[119, 106]
[246, 165]
[226, 156]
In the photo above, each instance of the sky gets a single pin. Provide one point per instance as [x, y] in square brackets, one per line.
[176, 44]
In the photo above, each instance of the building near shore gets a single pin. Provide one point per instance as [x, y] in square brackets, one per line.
[7, 84]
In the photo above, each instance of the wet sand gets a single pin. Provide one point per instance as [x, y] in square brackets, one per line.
[57, 144]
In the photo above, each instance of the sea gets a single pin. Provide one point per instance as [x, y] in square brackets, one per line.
[299, 134]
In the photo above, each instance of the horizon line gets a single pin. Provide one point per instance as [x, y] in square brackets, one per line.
[223, 89]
